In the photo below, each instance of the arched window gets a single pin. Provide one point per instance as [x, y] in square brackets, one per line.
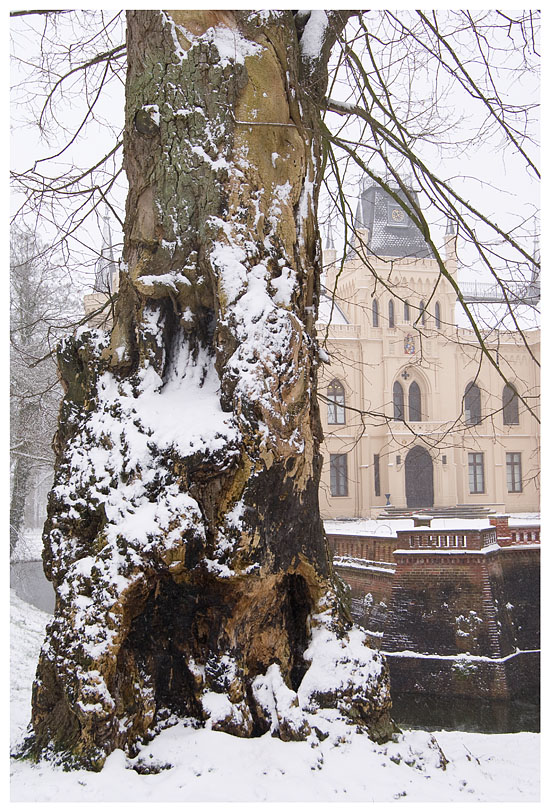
[391, 314]
[437, 316]
[422, 313]
[398, 402]
[336, 407]
[415, 403]
[406, 312]
[510, 406]
[472, 405]
[375, 312]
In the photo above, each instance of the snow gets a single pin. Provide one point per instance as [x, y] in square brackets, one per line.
[232, 47]
[388, 528]
[314, 34]
[499, 316]
[329, 312]
[351, 661]
[170, 280]
[200, 765]
[524, 520]
[29, 546]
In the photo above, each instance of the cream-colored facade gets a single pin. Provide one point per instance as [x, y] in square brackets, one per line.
[412, 411]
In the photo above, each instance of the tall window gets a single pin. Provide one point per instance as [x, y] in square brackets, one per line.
[513, 472]
[338, 474]
[391, 314]
[377, 474]
[415, 403]
[472, 405]
[336, 407]
[510, 408]
[422, 313]
[375, 313]
[406, 312]
[398, 402]
[437, 316]
[476, 475]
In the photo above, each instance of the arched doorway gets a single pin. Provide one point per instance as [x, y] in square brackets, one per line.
[419, 478]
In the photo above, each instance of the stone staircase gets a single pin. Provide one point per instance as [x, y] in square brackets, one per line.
[456, 512]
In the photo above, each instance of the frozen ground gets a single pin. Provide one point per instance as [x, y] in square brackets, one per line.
[201, 765]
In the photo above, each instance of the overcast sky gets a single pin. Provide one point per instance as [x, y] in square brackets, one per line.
[487, 176]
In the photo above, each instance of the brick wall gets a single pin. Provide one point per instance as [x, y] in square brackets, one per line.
[442, 603]
[463, 603]
[464, 611]
[516, 676]
[369, 548]
[521, 594]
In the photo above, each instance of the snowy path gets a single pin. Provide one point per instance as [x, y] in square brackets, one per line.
[209, 766]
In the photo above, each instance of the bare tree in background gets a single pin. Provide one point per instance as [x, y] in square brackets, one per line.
[41, 311]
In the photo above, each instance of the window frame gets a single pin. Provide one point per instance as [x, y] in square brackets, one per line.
[376, 464]
[375, 313]
[398, 403]
[514, 477]
[472, 390]
[415, 407]
[423, 313]
[391, 314]
[476, 472]
[335, 408]
[339, 480]
[510, 407]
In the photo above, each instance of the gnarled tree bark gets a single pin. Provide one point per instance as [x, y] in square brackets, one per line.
[183, 538]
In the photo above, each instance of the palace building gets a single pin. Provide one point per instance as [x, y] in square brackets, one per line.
[414, 414]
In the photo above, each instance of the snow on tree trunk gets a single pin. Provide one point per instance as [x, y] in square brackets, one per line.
[183, 538]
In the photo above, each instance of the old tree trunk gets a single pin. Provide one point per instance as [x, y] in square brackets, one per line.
[183, 537]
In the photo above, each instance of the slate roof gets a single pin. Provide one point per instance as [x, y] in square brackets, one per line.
[386, 237]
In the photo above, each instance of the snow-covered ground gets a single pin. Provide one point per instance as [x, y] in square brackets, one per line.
[189, 765]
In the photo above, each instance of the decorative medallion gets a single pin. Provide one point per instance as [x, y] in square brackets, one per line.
[398, 215]
[408, 342]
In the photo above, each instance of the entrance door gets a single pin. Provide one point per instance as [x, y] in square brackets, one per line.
[419, 478]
